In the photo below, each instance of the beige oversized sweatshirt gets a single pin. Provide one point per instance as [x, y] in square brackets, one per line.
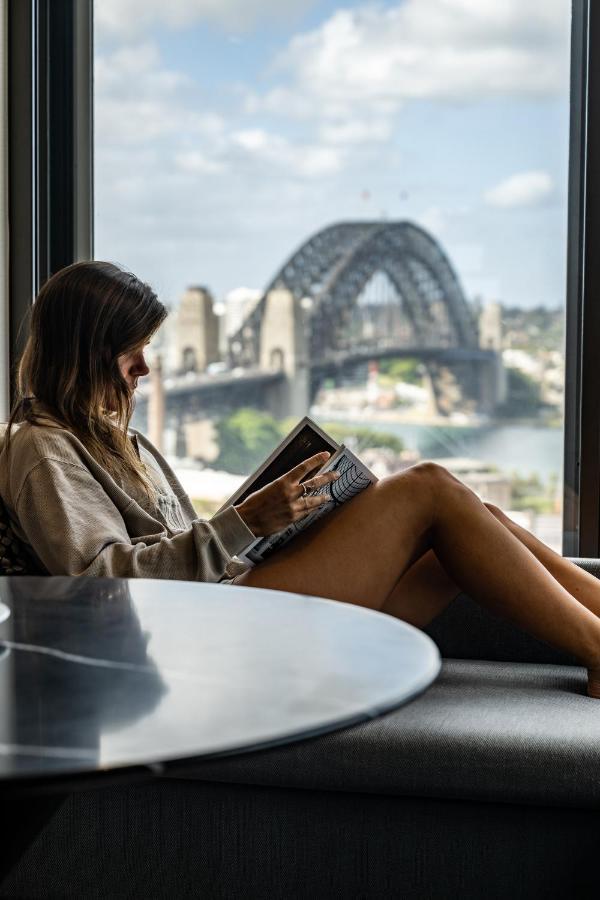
[78, 520]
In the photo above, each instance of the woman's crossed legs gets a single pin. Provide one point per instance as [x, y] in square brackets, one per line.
[424, 533]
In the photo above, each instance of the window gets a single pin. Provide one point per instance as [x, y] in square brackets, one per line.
[373, 198]
[4, 320]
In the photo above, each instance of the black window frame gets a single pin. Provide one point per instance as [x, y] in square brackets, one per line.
[50, 103]
[581, 478]
[50, 148]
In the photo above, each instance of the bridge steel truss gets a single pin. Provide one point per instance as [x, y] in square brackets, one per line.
[335, 265]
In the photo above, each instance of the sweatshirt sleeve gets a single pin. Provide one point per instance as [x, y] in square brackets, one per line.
[75, 529]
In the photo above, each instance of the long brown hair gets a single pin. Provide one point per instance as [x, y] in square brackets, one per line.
[85, 317]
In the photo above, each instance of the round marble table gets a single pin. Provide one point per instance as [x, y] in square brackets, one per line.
[98, 675]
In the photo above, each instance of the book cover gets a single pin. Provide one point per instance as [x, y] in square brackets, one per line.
[303, 441]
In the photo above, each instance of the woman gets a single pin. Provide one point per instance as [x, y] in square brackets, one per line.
[90, 497]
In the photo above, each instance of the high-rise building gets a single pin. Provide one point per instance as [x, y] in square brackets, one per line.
[239, 303]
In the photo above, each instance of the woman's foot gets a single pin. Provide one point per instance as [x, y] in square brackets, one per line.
[593, 687]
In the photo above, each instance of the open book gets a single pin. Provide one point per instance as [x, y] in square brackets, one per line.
[303, 441]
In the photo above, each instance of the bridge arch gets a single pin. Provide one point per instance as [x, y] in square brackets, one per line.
[335, 265]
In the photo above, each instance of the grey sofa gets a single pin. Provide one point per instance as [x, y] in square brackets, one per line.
[485, 786]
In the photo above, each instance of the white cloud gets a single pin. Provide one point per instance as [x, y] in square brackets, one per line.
[305, 160]
[140, 103]
[137, 100]
[375, 58]
[184, 192]
[255, 140]
[521, 189]
[194, 162]
[355, 131]
[127, 18]
[178, 191]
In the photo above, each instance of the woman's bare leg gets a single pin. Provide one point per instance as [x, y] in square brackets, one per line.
[425, 590]
[359, 552]
[581, 584]
[422, 593]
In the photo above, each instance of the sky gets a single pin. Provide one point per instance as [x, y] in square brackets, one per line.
[227, 132]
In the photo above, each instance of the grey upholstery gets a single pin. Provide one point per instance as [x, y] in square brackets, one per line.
[508, 720]
[518, 733]
[485, 786]
[183, 839]
[465, 630]
[15, 558]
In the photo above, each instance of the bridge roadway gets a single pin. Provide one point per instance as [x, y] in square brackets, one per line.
[192, 396]
[177, 386]
[192, 383]
[342, 359]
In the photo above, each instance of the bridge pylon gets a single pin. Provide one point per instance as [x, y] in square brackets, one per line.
[284, 347]
[493, 377]
[493, 389]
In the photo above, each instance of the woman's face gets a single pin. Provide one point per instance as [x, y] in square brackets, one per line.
[132, 366]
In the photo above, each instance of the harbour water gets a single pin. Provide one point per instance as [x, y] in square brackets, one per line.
[526, 449]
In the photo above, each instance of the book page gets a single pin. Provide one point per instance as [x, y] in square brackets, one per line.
[354, 478]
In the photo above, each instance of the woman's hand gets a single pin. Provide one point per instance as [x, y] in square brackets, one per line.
[285, 500]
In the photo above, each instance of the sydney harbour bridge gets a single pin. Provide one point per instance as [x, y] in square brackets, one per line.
[353, 293]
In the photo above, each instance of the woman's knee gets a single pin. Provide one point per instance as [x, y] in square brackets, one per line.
[439, 477]
[427, 481]
[431, 470]
[495, 510]
[444, 488]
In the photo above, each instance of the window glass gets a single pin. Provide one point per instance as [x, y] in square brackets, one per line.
[356, 211]
[4, 323]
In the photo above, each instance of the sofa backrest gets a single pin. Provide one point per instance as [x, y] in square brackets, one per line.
[14, 555]
[466, 630]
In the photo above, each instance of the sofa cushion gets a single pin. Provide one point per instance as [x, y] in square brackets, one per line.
[466, 630]
[487, 731]
[15, 559]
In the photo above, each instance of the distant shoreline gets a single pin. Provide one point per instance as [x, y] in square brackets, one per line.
[365, 418]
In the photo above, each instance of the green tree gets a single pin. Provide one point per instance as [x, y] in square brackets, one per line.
[407, 370]
[530, 493]
[523, 396]
[359, 438]
[245, 438]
